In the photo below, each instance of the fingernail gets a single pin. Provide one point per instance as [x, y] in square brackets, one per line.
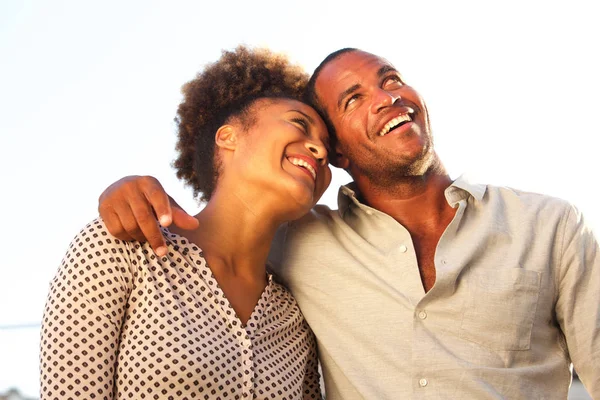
[161, 251]
[164, 220]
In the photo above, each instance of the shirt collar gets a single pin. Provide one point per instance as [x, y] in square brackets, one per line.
[347, 195]
[460, 189]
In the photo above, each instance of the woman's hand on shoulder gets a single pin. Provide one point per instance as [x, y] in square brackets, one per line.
[134, 208]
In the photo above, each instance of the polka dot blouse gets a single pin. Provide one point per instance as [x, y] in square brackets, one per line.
[121, 323]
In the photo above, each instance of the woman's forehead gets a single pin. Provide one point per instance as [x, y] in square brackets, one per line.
[283, 104]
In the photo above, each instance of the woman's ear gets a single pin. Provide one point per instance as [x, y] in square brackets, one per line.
[226, 137]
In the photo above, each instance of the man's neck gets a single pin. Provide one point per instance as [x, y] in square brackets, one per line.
[417, 202]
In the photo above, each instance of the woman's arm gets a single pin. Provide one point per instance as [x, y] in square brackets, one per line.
[312, 380]
[85, 308]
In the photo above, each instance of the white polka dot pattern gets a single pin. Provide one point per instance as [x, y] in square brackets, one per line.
[121, 323]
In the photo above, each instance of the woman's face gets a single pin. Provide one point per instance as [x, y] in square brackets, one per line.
[284, 151]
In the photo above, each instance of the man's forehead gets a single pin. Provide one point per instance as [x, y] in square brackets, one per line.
[353, 65]
[357, 59]
[349, 69]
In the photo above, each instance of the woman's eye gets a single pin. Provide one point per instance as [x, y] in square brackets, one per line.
[302, 123]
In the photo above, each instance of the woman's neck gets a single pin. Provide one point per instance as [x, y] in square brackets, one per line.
[234, 236]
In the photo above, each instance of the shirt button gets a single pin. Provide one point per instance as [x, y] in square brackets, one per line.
[422, 315]
[423, 382]
[403, 249]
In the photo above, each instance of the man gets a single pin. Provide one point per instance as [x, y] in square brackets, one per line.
[420, 287]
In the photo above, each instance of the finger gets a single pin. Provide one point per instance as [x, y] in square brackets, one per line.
[113, 224]
[147, 223]
[157, 198]
[183, 219]
[114, 210]
[128, 221]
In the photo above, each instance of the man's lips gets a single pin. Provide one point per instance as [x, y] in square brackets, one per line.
[307, 164]
[395, 120]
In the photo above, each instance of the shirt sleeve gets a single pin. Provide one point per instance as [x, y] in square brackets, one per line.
[82, 319]
[578, 301]
[312, 380]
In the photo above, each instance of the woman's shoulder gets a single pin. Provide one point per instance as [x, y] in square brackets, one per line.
[282, 297]
[95, 250]
[284, 314]
[96, 236]
[94, 241]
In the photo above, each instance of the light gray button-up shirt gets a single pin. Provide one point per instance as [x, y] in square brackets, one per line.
[516, 298]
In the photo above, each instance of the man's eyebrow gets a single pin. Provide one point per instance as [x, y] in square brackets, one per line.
[385, 69]
[345, 93]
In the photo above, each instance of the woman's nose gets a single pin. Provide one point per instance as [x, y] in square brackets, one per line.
[318, 150]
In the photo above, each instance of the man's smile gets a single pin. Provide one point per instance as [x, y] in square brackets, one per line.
[397, 121]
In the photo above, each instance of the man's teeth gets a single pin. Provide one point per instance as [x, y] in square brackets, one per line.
[396, 121]
[304, 164]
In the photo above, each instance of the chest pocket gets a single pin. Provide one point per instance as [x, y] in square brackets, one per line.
[501, 307]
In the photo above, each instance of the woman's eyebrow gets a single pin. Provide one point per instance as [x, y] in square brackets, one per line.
[308, 117]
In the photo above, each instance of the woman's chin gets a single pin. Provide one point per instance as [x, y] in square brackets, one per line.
[303, 201]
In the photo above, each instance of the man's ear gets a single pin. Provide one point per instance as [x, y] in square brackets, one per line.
[226, 137]
[338, 158]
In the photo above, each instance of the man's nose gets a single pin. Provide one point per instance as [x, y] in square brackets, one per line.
[382, 99]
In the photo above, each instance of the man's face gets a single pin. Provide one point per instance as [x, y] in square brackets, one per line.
[381, 123]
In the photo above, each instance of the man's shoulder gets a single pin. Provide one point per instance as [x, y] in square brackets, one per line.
[527, 206]
[524, 197]
[313, 227]
[491, 193]
[319, 216]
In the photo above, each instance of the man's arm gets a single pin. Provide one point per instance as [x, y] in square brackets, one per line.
[578, 303]
[133, 206]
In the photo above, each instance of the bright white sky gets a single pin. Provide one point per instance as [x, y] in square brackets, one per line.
[88, 92]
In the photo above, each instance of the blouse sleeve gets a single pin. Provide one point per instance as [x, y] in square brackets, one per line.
[82, 319]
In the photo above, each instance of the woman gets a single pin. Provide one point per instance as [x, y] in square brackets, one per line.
[205, 320]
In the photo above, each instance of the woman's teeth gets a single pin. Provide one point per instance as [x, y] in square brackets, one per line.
[301, 163]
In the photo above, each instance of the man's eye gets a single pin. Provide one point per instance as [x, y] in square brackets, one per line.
[393, 80]
[350, 101]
